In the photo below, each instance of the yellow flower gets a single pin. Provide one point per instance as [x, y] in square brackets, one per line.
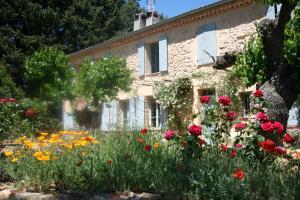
[38, 154]
[18, 153]
[29, 144]
[156, 145]
[41, 138]
[44, 134]
[47, 153]
[8, 153]
[68, 146]
[43, 158]
[14, 160]
[54, 136]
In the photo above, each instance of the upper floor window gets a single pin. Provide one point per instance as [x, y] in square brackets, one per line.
[154, 57]
[206, 44]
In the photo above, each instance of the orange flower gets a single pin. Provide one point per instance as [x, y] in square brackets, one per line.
[140, 140]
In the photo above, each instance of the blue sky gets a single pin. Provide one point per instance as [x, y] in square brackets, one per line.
[172, 8]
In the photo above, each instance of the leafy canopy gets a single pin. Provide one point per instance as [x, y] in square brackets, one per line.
[103, 78]
[49, 75]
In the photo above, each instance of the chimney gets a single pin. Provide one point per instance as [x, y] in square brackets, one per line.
[152, 18]
[139, 21]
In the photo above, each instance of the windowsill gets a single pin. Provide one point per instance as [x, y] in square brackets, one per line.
[157, 74]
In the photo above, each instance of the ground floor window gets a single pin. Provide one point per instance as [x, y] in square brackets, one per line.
[245, 97]
[208, 92]
[158, 114]
[124, 107]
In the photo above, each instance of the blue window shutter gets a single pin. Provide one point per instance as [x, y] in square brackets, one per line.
[163, 54]
[105, 117]
[140, 111]
[68, 121]
[141, 59]
[206, 41]
[114, 115]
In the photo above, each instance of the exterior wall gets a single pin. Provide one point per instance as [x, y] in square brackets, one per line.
[234, 27]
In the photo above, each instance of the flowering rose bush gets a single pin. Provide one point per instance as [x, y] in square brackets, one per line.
[205, 99]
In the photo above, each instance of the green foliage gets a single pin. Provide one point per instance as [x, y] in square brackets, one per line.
[273, 2]
[48, 75]
[176, 97]
[7, 86]
[251, 66]
[103, 79]
[29, 25]
[25, 117]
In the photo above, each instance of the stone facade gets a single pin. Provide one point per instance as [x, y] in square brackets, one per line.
[235, 23]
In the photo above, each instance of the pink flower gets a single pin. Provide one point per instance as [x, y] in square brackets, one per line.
[267, 127]
[195, 130]
[258, 93]
[169, 135]
[262, 117]
[230, 116]
[233, 153]
[12, 100]
[140, 140]
[205, 99]
[3, 100]
[279, 150]
[279, 127]
[288, 138]
[224, 100]
[223, 147]
[148, 147]
[240, 126]
[144, 131]
[239, 145]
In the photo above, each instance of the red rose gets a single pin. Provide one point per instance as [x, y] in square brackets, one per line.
[279, 150]
[30, 113]
[140, 140]
[230, 116]
[205, 99]
[233, 153]
[258, 93]
[279, 127]
[223, 147]
[147, 147]
[267, 127]
[224, 100]
[3, 100]
[195, 130]
[288, 138]
[144, 131]
[109, 162]
[239, 145]
[169, 135]
[238, 174]
[240, 126]
[12, 100]
[201, 142]
[267, 144]
[262, 117]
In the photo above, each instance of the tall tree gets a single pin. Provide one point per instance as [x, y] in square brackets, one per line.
[69, 25]
[272, 59]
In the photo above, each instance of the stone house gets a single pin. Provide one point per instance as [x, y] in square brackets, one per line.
[163, 51]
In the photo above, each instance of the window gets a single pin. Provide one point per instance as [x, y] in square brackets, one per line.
[245, 104]
[125, 112]
[158, 114]
[154, 57]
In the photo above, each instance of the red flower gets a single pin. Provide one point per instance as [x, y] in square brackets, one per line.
[3, 100]
[279, 150]
[223, 147]
[144, 131]
[12, 100]
[231, 116]
[288, 138]
[148, 147]
[140, 140]
[224, 100]
[240, 126]
[258, 93]
[267, 145]
[262, 117]
[30, 113]
[109, 162]
[239, 145]
[205, 99]
[201, 142]
[233, 153]
[195, 130]
[169, 135]
[279, 127]
[238, 174]
[267, 127]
